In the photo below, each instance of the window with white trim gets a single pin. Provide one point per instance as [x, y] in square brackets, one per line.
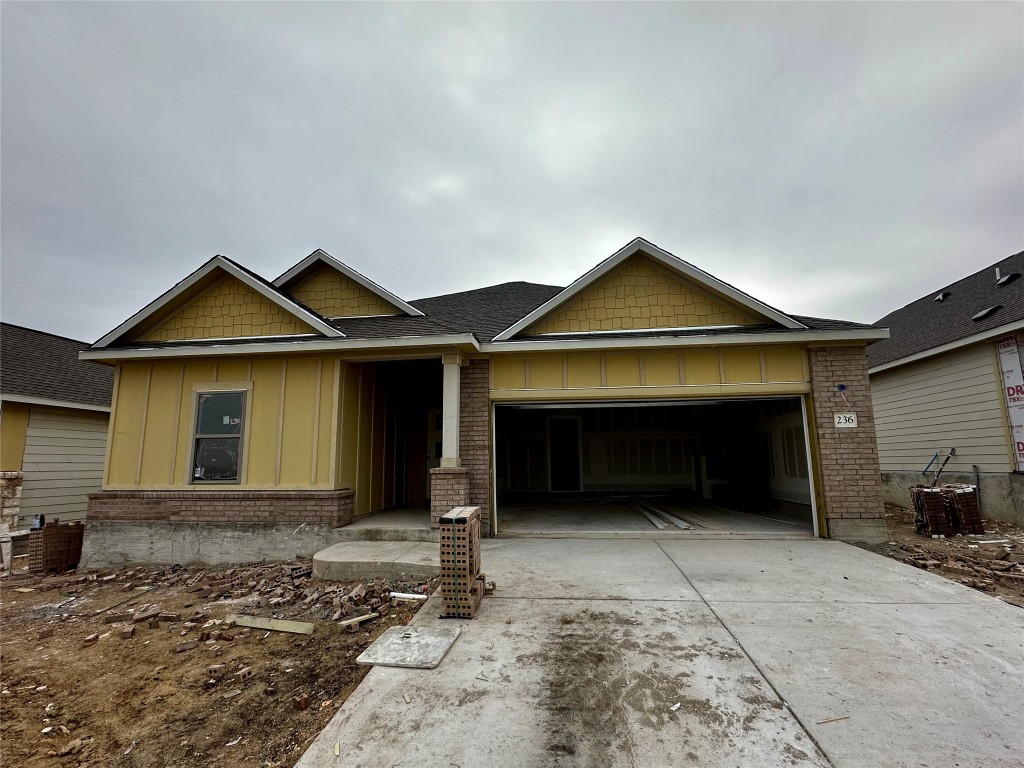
[217, 440]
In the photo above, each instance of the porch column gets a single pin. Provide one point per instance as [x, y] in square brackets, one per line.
[450, 410]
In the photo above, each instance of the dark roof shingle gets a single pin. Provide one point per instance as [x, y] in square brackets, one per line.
[926, 323]
[486, 311]
[38, 364]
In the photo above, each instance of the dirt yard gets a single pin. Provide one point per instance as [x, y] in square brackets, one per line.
[138, 701]
[996, 567]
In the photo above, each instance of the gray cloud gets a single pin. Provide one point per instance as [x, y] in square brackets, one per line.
[831, 159]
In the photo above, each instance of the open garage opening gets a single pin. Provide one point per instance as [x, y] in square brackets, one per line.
[711, 466]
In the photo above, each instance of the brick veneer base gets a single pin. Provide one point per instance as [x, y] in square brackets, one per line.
[449, 488]
[333, 508]
[848, 457]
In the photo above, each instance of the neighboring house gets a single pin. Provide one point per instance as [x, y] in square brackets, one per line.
[252, 418]
[54, 410]
[949, 377]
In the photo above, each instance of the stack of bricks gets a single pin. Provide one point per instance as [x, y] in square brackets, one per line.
[55, 548]
[964, 511]
[946, 510]
[931, 515]
[462, 584]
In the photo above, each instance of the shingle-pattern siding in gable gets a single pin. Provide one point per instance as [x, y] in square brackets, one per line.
[332, 294]
[639, 294]
[926, 323]
[229, 308]
[41, 365]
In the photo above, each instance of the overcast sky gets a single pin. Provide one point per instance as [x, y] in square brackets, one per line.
[831, 159]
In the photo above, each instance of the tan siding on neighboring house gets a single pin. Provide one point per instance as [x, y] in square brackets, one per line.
[949, 401]
[64, 453]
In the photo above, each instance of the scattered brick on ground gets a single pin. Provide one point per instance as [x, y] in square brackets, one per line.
[90, 676]
[991, 562]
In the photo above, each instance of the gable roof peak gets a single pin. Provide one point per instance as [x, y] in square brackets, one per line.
[323, 257]
[672, 262]
[236, 270]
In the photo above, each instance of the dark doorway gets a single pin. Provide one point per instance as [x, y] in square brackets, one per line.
[564, 445]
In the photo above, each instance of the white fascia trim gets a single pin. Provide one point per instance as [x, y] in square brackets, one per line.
[321, 255]
[798, 337]
[285, 347]
[360, 317]
[217, 262]
[45, 401]
[643, 330]
[667, 260]
[949, 347]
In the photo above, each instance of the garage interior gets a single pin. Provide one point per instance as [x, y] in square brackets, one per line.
[726, 465]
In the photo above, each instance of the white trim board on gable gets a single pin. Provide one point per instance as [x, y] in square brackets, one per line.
[666, 259]
[325, 258]
[225, 264]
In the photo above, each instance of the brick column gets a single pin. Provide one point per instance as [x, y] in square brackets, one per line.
[475, 436]
[850, 479]
[449, 488]
[10, 494]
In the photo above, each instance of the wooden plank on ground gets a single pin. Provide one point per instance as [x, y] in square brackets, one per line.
[358, 619]
[669, 518]
[277, 625]
[658, 522]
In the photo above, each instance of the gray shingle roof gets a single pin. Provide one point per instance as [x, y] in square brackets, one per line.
[39, 364]
[927, 323]
[486, 311]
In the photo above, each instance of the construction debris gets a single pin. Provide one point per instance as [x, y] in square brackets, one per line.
[992, 561]
[277, 625]
[228, 678]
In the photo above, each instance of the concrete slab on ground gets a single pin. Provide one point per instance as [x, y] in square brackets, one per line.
[580, 657]
[571, 682]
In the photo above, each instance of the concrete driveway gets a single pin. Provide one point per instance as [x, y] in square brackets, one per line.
[589, 645]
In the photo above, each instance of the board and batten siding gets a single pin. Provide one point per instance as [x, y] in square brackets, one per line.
[950, 401]
[63, 463]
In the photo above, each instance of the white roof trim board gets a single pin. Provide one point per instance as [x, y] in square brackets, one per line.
[321, 255]
[49, 402]
[993, 333]
[217, 262]
[666, 259]
[451, 342]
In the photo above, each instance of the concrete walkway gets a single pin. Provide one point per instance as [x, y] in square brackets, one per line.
[589, 644]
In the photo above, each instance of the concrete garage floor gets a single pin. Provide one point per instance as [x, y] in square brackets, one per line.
[613, 514]
[580, 657]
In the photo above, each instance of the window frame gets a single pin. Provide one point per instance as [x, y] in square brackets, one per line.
[214, 388]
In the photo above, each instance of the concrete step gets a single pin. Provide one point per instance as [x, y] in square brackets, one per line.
[356, 532]
[348, 560]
